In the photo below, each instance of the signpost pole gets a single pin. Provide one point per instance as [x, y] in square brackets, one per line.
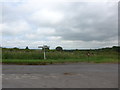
[43, 47]
[44, 54]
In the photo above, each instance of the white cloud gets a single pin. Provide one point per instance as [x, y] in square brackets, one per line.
[45, 31]
[47, 17]
[15, 28]
[54, 38]
[59, 0]
[40, 34]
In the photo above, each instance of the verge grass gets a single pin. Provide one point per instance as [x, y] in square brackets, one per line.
[35, 57]
[58, 61]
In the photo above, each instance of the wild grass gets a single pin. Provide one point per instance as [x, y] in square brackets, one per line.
[10, 56]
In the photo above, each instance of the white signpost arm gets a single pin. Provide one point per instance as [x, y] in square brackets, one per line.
[44, 46]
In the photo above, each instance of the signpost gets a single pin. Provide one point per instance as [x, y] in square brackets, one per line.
[44, 47]
[88, 54]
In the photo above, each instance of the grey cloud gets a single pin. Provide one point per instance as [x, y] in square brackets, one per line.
[92, 22]
[85, 22]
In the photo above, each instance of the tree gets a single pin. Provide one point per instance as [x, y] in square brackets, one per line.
[59, 48]
[46, 49]
[15, 48]
[27, 47]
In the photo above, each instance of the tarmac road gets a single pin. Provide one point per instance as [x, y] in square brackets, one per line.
[80, 75]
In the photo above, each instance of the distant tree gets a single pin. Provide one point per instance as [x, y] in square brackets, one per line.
[116, 48]
[46, 49]
[15, 48]
[27, 47]
[76, 49]
[59, 48]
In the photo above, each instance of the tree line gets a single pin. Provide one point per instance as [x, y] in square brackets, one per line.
[59, 48]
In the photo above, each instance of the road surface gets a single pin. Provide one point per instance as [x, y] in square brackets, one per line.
[81, 75]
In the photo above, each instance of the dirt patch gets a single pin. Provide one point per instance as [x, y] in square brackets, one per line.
[69, 73]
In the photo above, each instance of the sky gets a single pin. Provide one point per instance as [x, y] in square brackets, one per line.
[78, 24]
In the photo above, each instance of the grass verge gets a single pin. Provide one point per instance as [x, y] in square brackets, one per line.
[58, 61]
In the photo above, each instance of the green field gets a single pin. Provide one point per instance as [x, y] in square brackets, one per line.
[35, 57]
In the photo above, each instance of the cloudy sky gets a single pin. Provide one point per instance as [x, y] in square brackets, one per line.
[70, 24]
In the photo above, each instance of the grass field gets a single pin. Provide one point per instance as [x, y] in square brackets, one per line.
[35, 57]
